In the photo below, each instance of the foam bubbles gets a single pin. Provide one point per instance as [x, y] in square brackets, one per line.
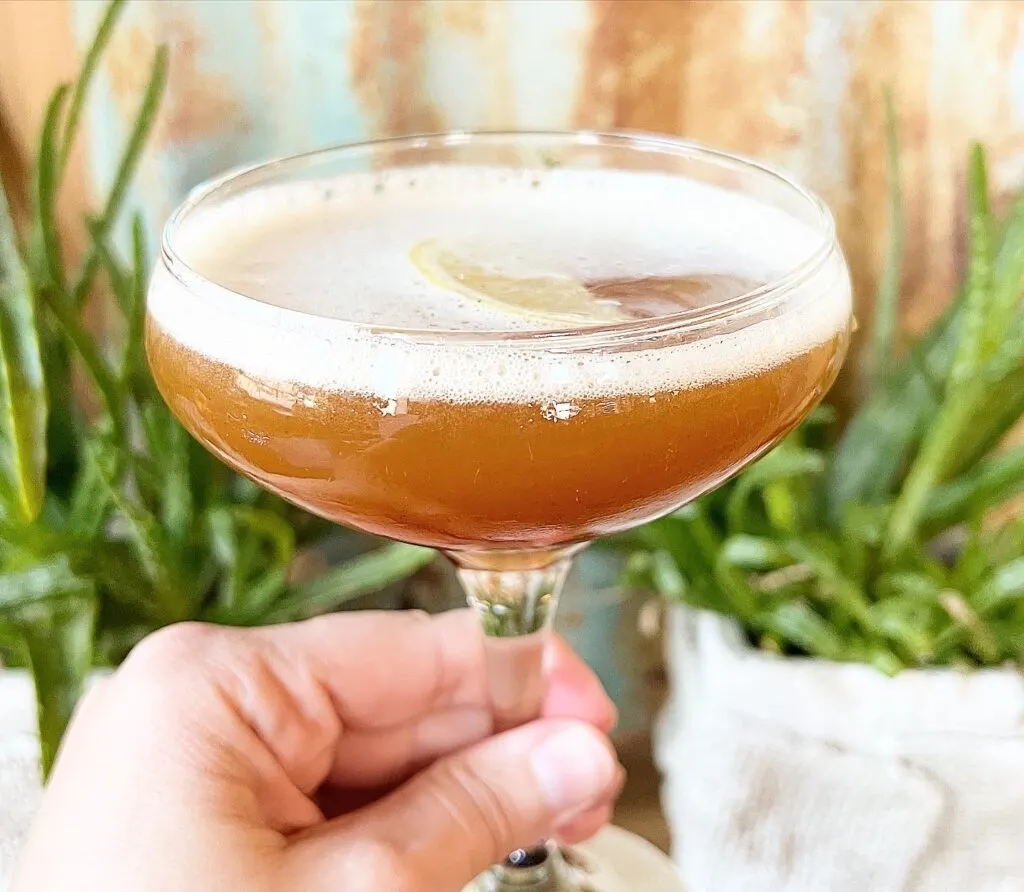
[319, 256]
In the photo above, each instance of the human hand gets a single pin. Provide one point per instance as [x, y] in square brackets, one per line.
[352, 752]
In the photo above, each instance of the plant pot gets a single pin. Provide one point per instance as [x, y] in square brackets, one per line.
[801, 775]
[20, 786]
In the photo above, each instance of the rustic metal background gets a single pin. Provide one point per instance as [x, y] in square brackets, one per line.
[796, 82]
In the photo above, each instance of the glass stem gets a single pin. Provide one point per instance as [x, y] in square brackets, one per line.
[515, 599]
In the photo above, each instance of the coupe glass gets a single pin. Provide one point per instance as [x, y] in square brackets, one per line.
[615, 425]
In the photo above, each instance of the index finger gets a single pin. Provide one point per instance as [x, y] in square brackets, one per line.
[377, 757]
[383, 669]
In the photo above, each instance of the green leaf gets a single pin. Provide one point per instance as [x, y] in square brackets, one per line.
[833, 583]
[883, 661]
[11, 646]
[821, 415]
[54, 288]
[125, 173]
[694, 545]
[754, 553]
[90, 501]
[860, 536]
[153, 549]
[1009, 637]
[89, 355]
[168, 441]
[1008, 279]
[999, 406]
[958, 421]
[902, 626]
[52, 608]
[23, 399]
[880, 439]
[58, 635]
[975, 343]
[134, 359]
[701, 537]
[1006, 542]
[359, 576]
[932, 464]
[872, 454]
[780, 465]
[887, 300]
[255, 550]
[1005, 584]
[665, 576]
[47, 181]
[85, 77]
[25, 544]
[688, 537]
[990, 483]
[736, 587]
[64, 423]
[966, 625]
[782, 506]
[116, 568]
[114, 642]
[796, 622]
[47, 579]
[119, 280]
[909, 587]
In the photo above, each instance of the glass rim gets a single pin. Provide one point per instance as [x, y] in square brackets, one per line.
[751, 302]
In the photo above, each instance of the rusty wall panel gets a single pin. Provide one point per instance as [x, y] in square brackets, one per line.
[796, 82]
[37, 50]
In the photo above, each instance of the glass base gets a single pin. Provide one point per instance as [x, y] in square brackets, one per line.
[613, 861]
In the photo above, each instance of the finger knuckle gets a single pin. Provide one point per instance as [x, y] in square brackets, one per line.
[482, 813]
[379, 865]
[170, 651]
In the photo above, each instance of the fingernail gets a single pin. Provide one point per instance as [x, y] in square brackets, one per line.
[574, 768]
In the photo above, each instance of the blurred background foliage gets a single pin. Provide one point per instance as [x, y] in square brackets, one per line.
[113, 521]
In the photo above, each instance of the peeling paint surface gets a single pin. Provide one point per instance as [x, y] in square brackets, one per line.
[794, 82]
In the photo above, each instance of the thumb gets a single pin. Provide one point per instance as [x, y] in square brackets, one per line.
[467, 811]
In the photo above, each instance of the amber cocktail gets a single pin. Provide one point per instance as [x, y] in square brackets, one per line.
[500, 345]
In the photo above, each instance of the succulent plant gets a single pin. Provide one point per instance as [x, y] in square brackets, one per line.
[878, 541]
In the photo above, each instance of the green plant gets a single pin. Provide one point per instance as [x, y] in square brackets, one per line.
[113, 522]
[878, 545]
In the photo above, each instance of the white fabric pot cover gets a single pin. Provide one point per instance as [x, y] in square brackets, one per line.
[797, 775]
[20, 787]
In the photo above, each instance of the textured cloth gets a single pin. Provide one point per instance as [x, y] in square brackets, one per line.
[789, 775]
[20, 788]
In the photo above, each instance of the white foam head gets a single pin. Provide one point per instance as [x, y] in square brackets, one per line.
[322, 262]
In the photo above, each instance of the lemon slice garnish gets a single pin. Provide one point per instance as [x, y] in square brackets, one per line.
[543, 298]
